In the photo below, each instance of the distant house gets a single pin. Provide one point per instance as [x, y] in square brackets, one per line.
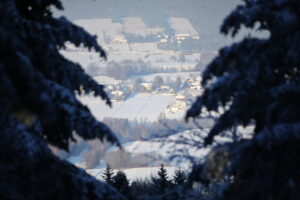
[165, 89]
[163, 40]
[196, 85]
[147, 86]
[189, 80]
[178, 106]
[179, 97]
[182, 36]
[117, 93]
[109, 87]
[119, 40]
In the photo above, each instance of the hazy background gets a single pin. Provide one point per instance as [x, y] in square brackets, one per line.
[156, 50]
[205, 15]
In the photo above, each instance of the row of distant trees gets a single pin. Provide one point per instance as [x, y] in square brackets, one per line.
[191, 45]
[126, 68]
[133, 38]
[160, 185]
[157, 184]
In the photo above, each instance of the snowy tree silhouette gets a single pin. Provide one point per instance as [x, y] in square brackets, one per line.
[108, 174]
[179, 177]
[255, 82]
[121, 183]
[160, 182]
[38, 104]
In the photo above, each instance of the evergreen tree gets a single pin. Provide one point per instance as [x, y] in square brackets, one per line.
[137, 85]
[177, 84]
[161, 182]
[121, 183]
[108, 174]
[179, 177]
[38, 104]
[256, 82]
[157, 82]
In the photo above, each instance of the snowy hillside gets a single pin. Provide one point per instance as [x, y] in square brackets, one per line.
[101, 27]
[105, 27]
[111, 36]
[167, 146]
[136, 25]
[182, 26]
[186, 146]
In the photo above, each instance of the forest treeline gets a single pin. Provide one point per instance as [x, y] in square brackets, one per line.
[124, 69]
[159, 185]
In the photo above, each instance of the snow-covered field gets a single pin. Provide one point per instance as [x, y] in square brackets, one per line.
[84, 58]
[136, 25]
[134, 173]
[182, 26]
[101, 27]
[106, 80]
[142, 106]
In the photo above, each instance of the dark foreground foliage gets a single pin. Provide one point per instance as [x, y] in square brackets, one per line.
[38, 105]
[256, 82]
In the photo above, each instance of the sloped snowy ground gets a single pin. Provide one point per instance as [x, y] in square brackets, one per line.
[187, 145]
[177, 144]
[101, 26]
[182, 26]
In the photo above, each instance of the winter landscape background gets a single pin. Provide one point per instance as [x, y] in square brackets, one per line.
[144, 99]
[156, 53]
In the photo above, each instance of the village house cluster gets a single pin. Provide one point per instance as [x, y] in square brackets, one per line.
[184, 94]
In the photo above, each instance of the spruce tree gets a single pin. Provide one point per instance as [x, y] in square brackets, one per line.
[38, 104]
[255, 82]
[121, 183]
[179, 177]
[108, 174]
[160, 183]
